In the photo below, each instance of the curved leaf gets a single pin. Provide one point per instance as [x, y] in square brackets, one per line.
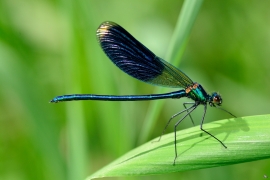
[247, 139]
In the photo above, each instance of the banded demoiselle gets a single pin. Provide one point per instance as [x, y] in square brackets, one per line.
[135, 59]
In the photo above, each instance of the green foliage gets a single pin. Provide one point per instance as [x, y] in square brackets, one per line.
[49, 48]
[247, 139]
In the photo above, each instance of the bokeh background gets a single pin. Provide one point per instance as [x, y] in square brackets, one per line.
[49, 48]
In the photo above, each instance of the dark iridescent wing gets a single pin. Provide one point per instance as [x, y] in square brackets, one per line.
[136, 60]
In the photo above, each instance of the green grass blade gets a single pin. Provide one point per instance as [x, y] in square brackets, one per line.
[183, 29]
[179, 40]
[73, 72]
[247, 139]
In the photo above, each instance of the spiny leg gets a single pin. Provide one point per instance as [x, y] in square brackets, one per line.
[201, 126]
[177, 114]
[184, 104]
[178, 122]
[225, 111]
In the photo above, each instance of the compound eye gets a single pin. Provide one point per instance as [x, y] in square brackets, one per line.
[217, 99]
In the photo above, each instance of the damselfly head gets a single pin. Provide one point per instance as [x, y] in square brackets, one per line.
[215, 99]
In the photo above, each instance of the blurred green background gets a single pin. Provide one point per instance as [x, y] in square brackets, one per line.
[49, 48]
